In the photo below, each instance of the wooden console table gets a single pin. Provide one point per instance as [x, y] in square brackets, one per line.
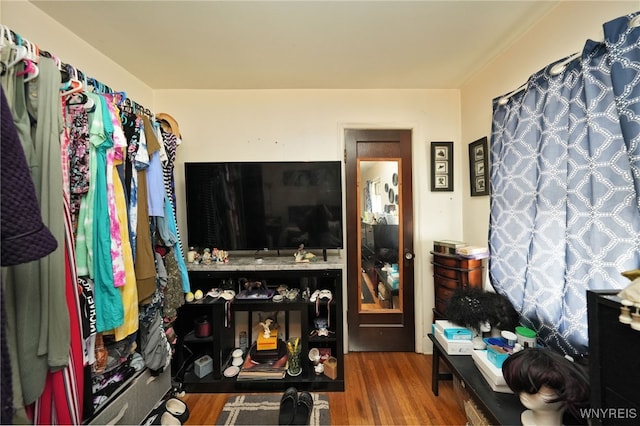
[498, 408]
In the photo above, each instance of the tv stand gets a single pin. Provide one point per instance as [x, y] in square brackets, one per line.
[229, 319]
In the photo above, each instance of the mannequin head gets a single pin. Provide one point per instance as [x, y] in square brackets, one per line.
[547, 384]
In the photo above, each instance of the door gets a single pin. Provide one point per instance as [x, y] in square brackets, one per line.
[380, 288]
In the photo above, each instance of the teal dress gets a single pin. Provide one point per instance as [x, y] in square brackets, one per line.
[109, 306]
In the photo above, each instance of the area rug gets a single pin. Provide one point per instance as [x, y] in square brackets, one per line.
[264, 409]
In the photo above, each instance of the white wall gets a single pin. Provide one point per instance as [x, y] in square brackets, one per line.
[562, 32]
[284, 125]
[309, 125]
[31, 23]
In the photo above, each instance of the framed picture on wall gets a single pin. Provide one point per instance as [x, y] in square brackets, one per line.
[479, 167]
[441, 166]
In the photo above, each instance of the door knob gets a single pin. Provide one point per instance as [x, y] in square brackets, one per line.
[408, 255]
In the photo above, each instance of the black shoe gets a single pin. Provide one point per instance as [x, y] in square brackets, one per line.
[288, 406]
[303, 411]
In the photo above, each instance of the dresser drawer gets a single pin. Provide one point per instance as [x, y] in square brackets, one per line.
[457, 262]
[445, 271]
[466, 277]
[451, 272]
[444, 293]
[441, 308]
[136, 399]
[449, 283]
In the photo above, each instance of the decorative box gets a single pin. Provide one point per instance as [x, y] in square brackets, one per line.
[447, 246]
[203, 366]
[331, 368]
[454, 347]
[267, 343]
[453, 331]
[458, 334]
[496, 355]
[491, 373]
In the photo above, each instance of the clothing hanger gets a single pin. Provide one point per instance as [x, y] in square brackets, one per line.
[29, 69]
[3, 36]
[74, 89]
[30, 59]
[73, 86]
[127, 108]
[33, 55]
[7, 37]
[21, 53]
[118, 97]
[79, 98]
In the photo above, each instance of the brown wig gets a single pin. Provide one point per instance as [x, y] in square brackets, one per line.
[530, 369]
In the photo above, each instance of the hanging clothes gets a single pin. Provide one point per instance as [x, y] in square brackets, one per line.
[81, 251]
[128, 289]
[62, 399]
[131, 125]
[109, 309]
[37, 314]
[145, 261]
[25, 238]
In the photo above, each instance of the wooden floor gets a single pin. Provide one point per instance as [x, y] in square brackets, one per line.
[382, 388]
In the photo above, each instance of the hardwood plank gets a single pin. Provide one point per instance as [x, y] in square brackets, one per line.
[390, 388]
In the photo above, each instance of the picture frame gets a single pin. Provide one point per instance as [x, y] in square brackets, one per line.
[479, 167]
[441, 166]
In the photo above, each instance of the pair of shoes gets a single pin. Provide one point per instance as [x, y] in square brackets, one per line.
[172, 412]
[288, 406]
[177, 408]
[303, 411]
[166, 419]
[295, 409]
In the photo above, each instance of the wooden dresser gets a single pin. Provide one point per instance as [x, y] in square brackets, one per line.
[451, 271]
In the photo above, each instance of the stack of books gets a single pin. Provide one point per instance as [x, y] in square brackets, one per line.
[447, 246]
[261, 372]
[265, 364]
[473, 252]
[455, 339]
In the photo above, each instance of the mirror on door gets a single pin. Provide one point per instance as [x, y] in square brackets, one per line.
[380, 219]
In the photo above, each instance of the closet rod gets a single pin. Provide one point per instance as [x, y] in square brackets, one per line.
[127, 104]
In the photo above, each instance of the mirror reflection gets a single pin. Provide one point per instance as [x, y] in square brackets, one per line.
[381, 283]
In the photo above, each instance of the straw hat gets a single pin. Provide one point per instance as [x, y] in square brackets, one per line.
[168, 123]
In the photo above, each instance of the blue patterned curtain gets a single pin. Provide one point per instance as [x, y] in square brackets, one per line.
[565, 185]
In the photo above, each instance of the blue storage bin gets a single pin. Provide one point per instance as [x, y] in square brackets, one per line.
[496, 355]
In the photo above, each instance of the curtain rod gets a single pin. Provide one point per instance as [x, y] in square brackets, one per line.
[129, 105]
[561, 65]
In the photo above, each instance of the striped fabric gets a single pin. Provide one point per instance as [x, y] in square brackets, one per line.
[62, 398]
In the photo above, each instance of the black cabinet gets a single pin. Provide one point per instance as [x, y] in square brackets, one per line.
[614, 364]
[227, 319]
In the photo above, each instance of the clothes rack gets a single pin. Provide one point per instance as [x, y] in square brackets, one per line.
[68, 71]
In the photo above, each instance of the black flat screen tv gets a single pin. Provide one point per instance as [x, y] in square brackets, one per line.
[264, 205]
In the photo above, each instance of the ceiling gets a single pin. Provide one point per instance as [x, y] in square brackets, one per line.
[299, 44]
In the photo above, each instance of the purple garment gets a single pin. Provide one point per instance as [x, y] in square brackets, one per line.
[24, 236]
